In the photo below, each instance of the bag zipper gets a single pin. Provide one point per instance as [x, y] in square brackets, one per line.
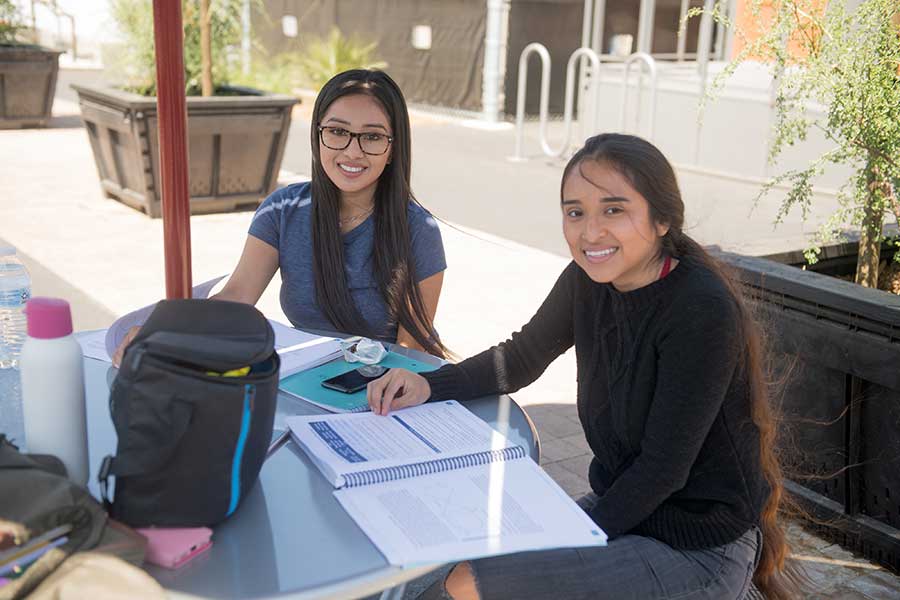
[197, 373]
[246, 416]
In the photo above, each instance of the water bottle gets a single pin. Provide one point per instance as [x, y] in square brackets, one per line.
[52, 370]
[15, 290]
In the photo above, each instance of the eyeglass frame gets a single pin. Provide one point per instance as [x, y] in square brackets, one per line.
[356, 136]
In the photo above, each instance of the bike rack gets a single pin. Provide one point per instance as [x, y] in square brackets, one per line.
[593, 107]
[648, 61]
[544, 54]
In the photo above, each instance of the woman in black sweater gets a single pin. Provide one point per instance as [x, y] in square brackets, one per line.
[671, 396]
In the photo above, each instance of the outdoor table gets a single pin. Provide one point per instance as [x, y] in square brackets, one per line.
[289, 538]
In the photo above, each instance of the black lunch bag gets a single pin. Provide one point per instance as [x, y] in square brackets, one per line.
[193, 405]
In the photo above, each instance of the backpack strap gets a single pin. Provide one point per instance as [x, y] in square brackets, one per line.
[102, 477]
[112, 466]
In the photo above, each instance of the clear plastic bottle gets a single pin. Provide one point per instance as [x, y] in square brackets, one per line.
[15, 290]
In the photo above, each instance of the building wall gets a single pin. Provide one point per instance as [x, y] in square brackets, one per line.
[557, 24]
[622, 18]
[448, 74]
[752, 26]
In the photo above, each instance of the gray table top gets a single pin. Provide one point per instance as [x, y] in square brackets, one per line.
[290, 537]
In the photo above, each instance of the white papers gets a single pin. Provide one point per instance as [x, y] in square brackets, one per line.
[469, 513]
[353, 442]
[300, 350]
[93, 344]
[118, 330]
[434, 483]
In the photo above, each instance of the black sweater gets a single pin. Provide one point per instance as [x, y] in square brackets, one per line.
[662, 397]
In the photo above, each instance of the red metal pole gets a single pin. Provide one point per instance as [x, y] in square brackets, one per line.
[171, 108]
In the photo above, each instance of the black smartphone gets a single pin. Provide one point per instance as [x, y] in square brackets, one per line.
[355, 380]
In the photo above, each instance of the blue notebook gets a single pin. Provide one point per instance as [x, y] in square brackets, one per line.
[307, 385]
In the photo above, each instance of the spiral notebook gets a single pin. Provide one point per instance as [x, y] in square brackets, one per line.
[434, 483]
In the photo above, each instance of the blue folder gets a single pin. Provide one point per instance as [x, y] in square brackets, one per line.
[307, 385]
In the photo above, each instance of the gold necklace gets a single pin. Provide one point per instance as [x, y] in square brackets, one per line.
[355, 218]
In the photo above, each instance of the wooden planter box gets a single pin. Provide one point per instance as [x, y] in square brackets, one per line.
[235, 146]
[838, 345]
[27, 84]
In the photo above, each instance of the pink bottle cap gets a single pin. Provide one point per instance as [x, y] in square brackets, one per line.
[48, 318]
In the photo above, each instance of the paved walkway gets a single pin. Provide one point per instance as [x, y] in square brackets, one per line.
[107, 259]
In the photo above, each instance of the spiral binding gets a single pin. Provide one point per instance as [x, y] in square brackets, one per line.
[433, 466]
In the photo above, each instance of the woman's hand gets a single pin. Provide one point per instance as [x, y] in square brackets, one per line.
[120, 351]
[397, 389]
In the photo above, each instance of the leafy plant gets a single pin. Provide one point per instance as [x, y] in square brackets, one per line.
[845, 60]
[136, 63]
[280, 74]
[10, 22]
[323, 58]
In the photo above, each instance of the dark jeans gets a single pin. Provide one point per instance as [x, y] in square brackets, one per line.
[631, 566]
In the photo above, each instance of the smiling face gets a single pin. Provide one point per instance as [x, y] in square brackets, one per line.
[608, 227]
[354, 172]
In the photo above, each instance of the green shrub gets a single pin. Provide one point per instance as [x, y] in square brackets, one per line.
[323, 58]
[310, 66]
[280, 74]
[10, 22]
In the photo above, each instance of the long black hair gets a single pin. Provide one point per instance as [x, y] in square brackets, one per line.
[393, 261]
[648, 172]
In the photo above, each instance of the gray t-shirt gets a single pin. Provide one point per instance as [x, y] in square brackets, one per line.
[284, 221]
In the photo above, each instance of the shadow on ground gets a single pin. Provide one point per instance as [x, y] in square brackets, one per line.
[65, 122]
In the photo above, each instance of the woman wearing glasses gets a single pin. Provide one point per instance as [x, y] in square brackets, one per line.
[357, 253]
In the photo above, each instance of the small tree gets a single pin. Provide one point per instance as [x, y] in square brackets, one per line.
[212, 33]
[846, 60]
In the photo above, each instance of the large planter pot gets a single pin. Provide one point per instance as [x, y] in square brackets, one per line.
[27, 84]
[235, 146]
[837, 346]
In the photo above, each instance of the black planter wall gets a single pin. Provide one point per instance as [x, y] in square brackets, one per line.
[838, 347]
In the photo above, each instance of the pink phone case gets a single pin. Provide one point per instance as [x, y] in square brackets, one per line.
[173, 547]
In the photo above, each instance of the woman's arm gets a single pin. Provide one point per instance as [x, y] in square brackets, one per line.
[254, 271]
[430, 290]
[522, 358]
[504, 368]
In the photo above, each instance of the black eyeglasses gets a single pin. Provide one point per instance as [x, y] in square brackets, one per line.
[338, 138]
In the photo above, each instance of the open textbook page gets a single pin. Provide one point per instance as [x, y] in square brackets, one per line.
[469, 513]
[434, 483]
[349, 443]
